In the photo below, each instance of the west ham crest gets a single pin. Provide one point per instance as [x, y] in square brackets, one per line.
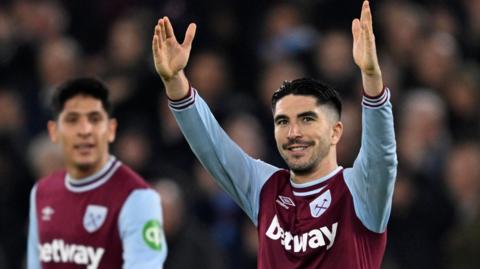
[94, 217]
[320, 204]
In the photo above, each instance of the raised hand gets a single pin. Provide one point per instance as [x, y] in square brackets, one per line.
[365, 52]
[170, 57]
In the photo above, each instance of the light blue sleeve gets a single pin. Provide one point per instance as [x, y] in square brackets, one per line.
[33, 259]
[141, 231]
[241, 176]
[371, 179]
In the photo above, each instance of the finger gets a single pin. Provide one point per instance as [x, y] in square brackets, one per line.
[362, 12]
[356, 30]
[163, 32]
[155, 46]
[366, 25]
[366, 37]
[367, 15]
[189, 35]
[156, 35]
[158, 30]
[169, 29]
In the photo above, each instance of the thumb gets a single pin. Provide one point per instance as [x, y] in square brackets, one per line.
[189, 35]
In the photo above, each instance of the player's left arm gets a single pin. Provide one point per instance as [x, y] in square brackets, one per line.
[141, 231]
[33, 259]
[371, 180]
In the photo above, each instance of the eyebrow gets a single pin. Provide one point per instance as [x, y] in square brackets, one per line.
[301, 115]
[280, 117]
[76, 113]
[308, 114]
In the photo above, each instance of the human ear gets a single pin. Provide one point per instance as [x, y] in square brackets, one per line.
[112, 129]
[337, 131]
[52, 131]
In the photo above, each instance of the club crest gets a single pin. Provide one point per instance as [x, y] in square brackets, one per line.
[320, 204]
[94, 217]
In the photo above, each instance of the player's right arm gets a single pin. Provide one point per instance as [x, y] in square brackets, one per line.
[236, 172]
[33, 259]
[372, 178]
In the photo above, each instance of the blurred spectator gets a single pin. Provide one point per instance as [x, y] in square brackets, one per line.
[58, 60]
[435, 59]
[471, 34]
[247, 132]
[286, 33]
[7, 45]
[40, 20]
[402, 25]
[333, 61]
[463, 177]
[215, 209]
[462, 96]
[127, 42]
[273, 75]
[189, 246]
[44, 157]
[423, 137]
[134, 148]
[12, 117]
[210, 72]
[423, 44]
[250, 244]
[422, 211]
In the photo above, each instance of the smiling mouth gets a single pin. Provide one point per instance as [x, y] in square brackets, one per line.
[83, 147]
[297, 148]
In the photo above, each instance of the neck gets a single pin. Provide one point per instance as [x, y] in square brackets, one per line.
[326, 166]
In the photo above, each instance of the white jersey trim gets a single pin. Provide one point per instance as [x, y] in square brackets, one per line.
[376, 102]
[307, 193]
[95, 180]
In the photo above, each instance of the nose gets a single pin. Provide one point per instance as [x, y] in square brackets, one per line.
[294, 131]
[84, 128]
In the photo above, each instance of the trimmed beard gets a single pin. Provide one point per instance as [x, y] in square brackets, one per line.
[311, 164]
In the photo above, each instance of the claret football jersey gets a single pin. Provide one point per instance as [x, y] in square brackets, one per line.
[337, 221]
[109, 220]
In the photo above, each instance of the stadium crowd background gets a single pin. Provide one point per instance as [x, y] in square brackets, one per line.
[430, 58]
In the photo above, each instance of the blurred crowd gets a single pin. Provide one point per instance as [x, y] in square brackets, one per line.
[430, 57]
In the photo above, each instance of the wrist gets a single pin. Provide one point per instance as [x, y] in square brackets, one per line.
[372, 83]
[176, 86]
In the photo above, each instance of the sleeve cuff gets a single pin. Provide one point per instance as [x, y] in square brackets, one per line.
[376, 101]
[185, 102]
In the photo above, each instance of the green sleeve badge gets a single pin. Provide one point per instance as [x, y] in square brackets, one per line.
[153, 234]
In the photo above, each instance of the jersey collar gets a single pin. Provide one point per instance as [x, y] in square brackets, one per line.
[95, 180]
[313, 187]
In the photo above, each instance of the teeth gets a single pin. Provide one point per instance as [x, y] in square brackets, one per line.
[297, 148]
[83, 146]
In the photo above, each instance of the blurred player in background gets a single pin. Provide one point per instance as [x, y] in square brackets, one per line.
[97, 213]
[317, 214]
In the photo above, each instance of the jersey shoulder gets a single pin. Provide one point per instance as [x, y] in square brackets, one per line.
[52, 183]
[277, 180]
[130, 179]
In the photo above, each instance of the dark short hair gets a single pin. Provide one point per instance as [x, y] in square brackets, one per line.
[80, 86]
[324, 94]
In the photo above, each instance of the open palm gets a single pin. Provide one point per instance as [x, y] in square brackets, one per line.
[364, 50]
[170, 57]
